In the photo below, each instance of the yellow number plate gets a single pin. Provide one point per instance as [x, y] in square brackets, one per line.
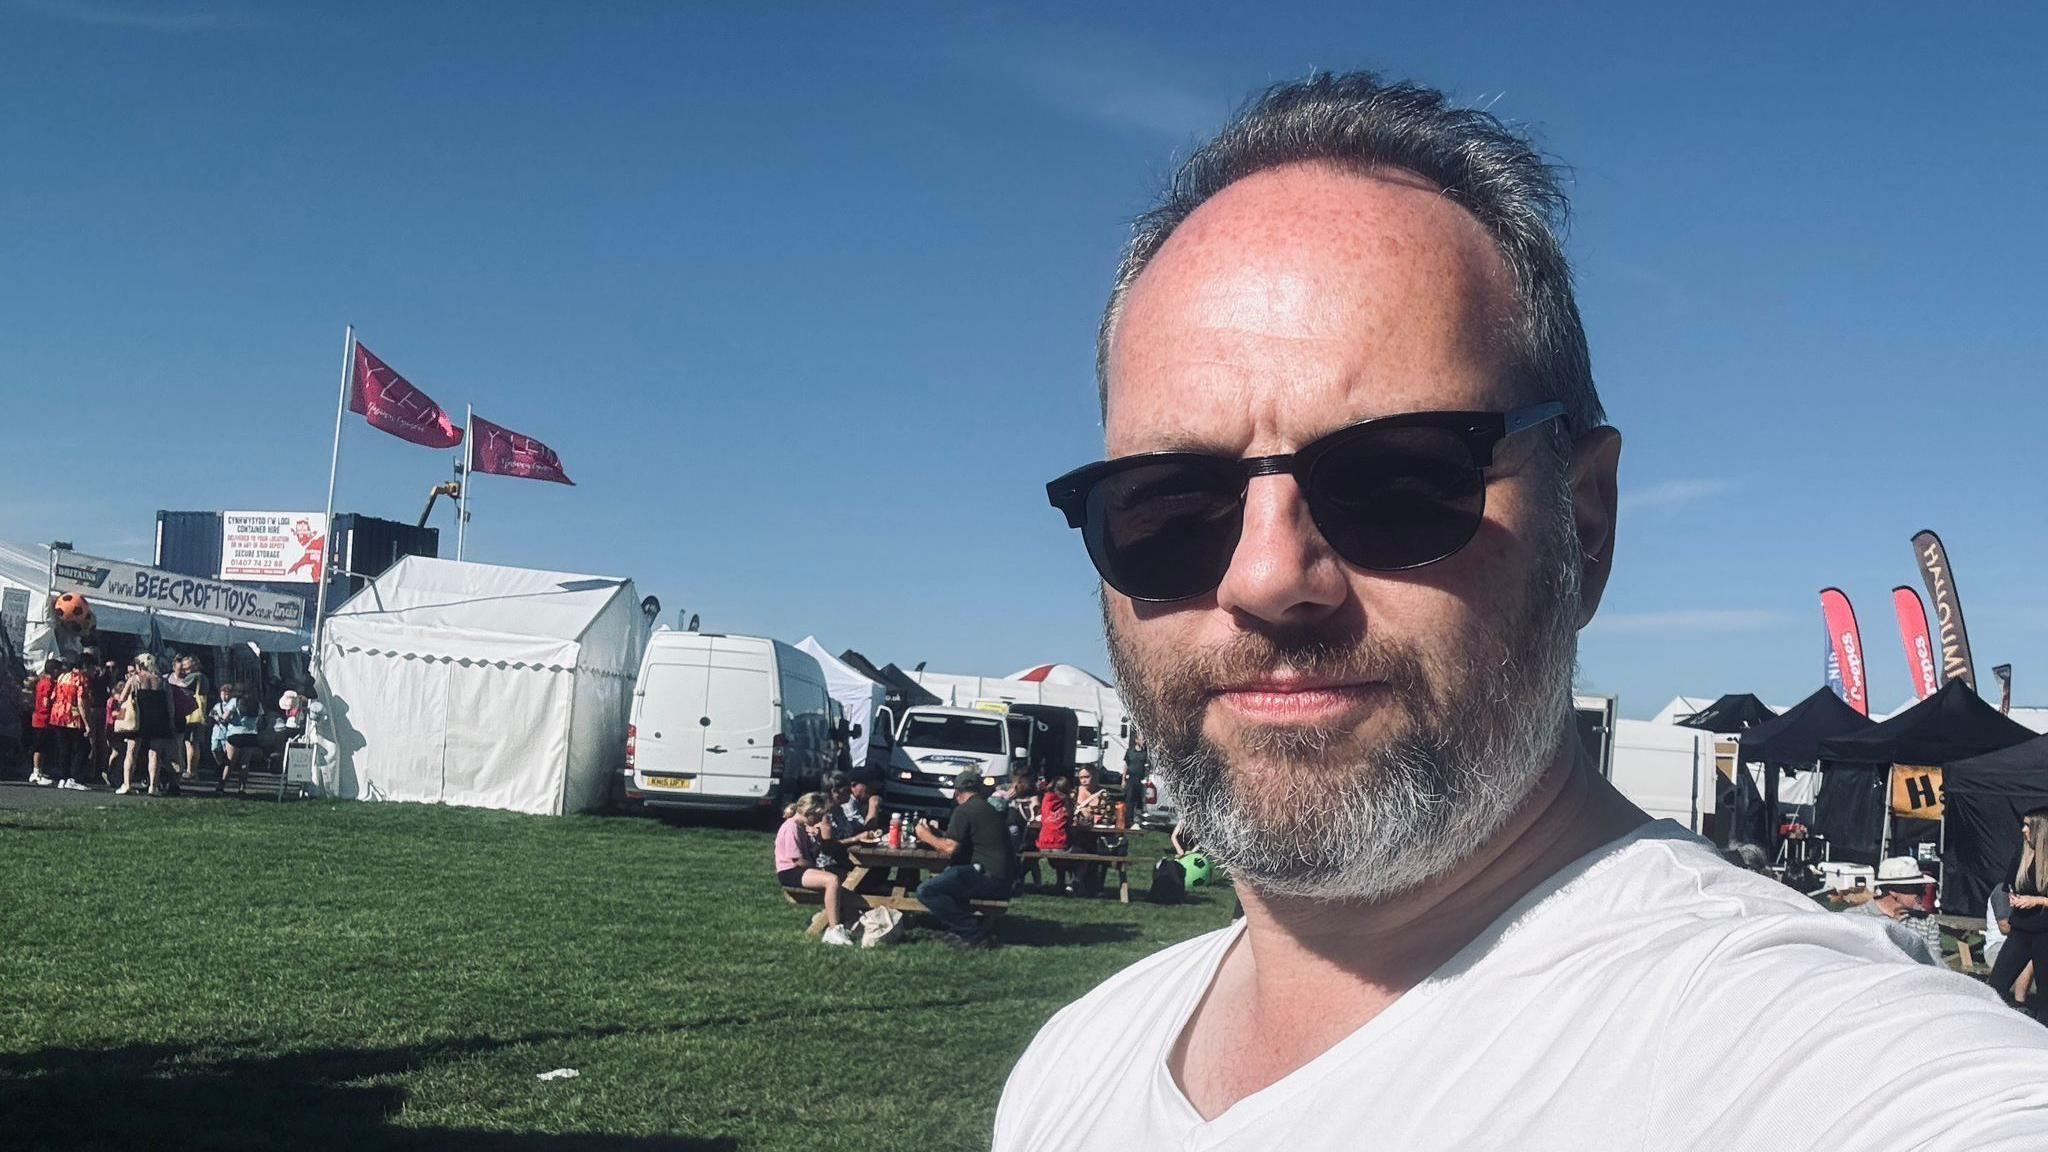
[670, 783]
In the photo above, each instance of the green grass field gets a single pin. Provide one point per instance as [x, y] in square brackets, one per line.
[243, 975]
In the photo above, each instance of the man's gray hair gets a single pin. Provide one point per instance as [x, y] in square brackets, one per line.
[1358, 121]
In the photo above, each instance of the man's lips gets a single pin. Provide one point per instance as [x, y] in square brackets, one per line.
[1297, 700]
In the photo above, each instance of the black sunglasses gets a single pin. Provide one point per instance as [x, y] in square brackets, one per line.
[1389, 494]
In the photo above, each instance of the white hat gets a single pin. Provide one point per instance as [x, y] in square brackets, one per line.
[290, 700]
[1901, 872]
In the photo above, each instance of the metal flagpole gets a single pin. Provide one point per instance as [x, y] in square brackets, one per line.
[462, 497]
[348, 372]
[348, 375]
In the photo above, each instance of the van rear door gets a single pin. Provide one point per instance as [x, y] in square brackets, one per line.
[669, 738]
[741, 719]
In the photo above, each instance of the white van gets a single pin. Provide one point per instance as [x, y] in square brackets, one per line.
[1088, 740]
[726, 722]
[934, 745]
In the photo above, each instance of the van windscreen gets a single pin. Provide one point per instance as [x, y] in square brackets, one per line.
[955, 734]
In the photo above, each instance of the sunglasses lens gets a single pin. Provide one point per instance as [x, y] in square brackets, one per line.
[1166, 530]
[1393, 498]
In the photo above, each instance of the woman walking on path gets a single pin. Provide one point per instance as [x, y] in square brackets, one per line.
[68, 702]
[190, 720]
[41, 740]
[146, 710]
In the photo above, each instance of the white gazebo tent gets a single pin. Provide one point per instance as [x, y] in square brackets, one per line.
[483, 686]
[858, 696]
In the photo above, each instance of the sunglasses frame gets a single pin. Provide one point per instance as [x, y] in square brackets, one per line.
[1482, 432]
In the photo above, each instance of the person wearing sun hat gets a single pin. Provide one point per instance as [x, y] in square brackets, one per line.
[1902, 895]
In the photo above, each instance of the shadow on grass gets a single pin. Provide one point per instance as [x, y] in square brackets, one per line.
[1032, 932]
[138, 1096]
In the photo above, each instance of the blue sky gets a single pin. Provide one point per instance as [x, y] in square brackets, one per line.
[804, 294]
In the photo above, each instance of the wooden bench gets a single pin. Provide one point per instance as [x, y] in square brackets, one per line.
[1122, 864]
[989, 910]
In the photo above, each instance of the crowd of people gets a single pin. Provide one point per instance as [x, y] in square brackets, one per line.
[151, 726]
[986, 837]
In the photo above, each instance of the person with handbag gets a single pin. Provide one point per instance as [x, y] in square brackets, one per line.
[145, 723]
[186, 678]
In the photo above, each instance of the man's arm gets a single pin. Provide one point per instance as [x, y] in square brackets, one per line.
[936, 842]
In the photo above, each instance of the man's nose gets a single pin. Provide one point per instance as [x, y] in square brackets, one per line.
[1283, 571]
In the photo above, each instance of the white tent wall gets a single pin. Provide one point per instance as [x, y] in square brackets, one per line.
[608, 661]
[481, 686]
[857, 695]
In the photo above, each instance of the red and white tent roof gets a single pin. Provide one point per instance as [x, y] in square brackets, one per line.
[1059, 674]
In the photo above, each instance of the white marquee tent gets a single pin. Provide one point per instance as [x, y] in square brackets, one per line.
[482, 686]
[857, 695]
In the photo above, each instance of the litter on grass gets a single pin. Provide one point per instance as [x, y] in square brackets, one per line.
[559, 1074]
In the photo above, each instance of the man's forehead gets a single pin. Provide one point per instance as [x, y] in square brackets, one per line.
[1307, 298]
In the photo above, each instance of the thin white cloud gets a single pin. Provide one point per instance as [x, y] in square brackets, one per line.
[1673, 493]
[1691, 620]
[1102, 79]
[164, 17]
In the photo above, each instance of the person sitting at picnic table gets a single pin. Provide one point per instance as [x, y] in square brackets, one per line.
[1018, 802]
[804, 824]
[1093, 806]
[1901, 901]
[863, 803]
[1055, 824]
[982, 866]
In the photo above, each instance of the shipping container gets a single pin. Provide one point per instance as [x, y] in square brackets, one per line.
[189, 543]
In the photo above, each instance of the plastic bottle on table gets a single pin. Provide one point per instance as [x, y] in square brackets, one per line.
[896, 830]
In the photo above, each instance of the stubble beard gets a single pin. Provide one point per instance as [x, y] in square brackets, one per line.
[1340, 814]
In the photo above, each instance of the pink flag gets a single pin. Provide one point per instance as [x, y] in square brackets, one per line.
[499, 451]
[389, 401]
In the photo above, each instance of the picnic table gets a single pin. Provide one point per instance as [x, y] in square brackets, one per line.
[1961, 929]
[1119, 859]
[870, 883]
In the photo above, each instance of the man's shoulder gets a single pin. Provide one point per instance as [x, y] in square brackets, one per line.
[1126, 1012]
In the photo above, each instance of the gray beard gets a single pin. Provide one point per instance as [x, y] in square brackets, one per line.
[1316, 813]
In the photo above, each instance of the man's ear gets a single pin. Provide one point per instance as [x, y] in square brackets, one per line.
[1595, 458]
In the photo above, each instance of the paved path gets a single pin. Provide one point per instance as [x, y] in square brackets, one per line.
[22, 794]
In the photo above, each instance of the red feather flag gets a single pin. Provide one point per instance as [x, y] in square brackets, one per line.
[390, 402]
[499, 451]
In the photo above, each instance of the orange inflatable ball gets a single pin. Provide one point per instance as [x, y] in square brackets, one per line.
[72, 613]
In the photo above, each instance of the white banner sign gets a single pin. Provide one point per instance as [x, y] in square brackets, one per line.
[119, 582]
[275, 546]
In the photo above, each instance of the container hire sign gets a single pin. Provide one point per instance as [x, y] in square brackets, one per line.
[280, 546]
[119, 582]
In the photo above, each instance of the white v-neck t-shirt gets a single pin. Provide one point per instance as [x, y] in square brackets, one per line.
[1648, 996]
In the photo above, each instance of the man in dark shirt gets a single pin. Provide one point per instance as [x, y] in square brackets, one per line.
[1137, 766]
[982, 866]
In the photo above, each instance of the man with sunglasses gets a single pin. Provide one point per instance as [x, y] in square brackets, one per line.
[1359, 499]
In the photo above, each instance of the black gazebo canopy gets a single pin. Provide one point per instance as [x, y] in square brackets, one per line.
[1985, 797]
[900, 690]
[1953, 724]
[1734, 712]
[1794, 739]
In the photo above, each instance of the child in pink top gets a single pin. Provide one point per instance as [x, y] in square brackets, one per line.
[796, 854]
